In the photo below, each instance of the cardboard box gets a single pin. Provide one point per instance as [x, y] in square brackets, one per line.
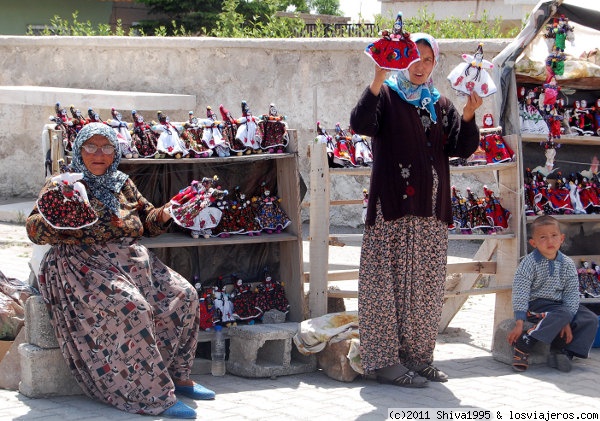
[4, 346]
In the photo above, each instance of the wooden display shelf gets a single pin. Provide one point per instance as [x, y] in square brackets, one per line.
[582, 83]
[210, 160]
[185, 240]
[570, 218]
[488, 167]
[564, 140]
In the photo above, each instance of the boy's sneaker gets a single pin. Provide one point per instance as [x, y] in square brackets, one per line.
[560, 361]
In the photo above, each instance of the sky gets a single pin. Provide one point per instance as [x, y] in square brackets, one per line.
[355, 8]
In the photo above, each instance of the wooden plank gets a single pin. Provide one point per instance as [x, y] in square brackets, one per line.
[479, 291]
[565, 140]
[319, 230]
[479, 267]
[479, 168]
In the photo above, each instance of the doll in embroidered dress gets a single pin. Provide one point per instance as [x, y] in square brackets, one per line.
[121, 128]
[245, 214]
[169, 142]
[274, 128]
[248, 131]
[211, 133]
[230, 126]
[395, 50]
[472, 75]
[496, 149]
[344, 148]
[362, 150]
[269, 214]
[192, 136]
[244, 301]
[271, 295]
[143, 137]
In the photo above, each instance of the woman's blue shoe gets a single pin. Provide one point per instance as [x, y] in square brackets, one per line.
[180, 410]
[197, 391]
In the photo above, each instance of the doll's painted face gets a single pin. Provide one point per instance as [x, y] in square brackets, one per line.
[420, 70]
[99, 161]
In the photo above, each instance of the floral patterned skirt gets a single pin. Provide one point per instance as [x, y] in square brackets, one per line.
[125, 323]
[401, 290]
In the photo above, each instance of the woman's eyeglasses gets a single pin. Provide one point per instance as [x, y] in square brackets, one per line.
[106, 149]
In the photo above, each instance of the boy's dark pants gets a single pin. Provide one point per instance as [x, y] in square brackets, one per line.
[584, 325]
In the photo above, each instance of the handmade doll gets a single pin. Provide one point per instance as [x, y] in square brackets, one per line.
[395, 50]
[236, 146]
[472, 76]
[365, 203]
[228, 224]
[362, 150]
[343, 150]
[476, 213]
[223, 306]
[65, 125]
[211, 134]
[588, 280]
[248, 131]
[244, 301]
[193, 207]
[274, 128]
[497, 215]
[491, 140]
[559, 196]
[269, 213]
[169, 142]
[531, 120]
[121, 128]
[550, 147]
[93, 117]
[324, 138]
[65, 204]
[459, 212]
[550, 93]
[271, 295]
[143, 137]
[245, 214]
[192, 136]
[77, 118]
[529, 193]
[575, 188]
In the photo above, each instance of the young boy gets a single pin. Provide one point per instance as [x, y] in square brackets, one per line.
[546, 292]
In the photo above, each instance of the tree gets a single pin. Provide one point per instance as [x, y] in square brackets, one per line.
[201, 16]
[326, 7]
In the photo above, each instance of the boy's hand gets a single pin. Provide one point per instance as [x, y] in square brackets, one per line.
[566, 333]
[517, 331]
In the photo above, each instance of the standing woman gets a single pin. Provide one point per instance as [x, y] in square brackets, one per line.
[403, 259]
[126, 324]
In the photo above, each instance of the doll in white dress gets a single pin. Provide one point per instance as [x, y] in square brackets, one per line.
[472, 76]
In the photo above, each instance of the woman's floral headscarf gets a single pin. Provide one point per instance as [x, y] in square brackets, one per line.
[422, 96]
[102, 187]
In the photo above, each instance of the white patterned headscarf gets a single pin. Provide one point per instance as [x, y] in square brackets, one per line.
[424, 95]
[103, 187]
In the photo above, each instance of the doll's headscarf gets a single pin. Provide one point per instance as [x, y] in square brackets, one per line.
[424, 95]
[102, 187]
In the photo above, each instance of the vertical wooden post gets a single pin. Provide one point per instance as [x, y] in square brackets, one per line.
[319, 230]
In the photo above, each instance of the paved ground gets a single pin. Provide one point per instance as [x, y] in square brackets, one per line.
[463, 351]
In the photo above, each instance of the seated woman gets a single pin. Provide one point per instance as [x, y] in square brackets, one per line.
[126, 323]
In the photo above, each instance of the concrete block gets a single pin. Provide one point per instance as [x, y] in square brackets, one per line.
[503, 351]
[38, 329]
[10, 365]
[44, 373]
[273, 316]
[266, 350]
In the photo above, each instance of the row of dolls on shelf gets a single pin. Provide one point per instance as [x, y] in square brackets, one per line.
[230, 300]
[589, 279]
[346, 148]
[492, 148]
[207, 210]
[543, 112]
[193, 138]
[478, 215]
[556, 194]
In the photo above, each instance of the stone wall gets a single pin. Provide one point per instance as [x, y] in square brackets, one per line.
[308, 80]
